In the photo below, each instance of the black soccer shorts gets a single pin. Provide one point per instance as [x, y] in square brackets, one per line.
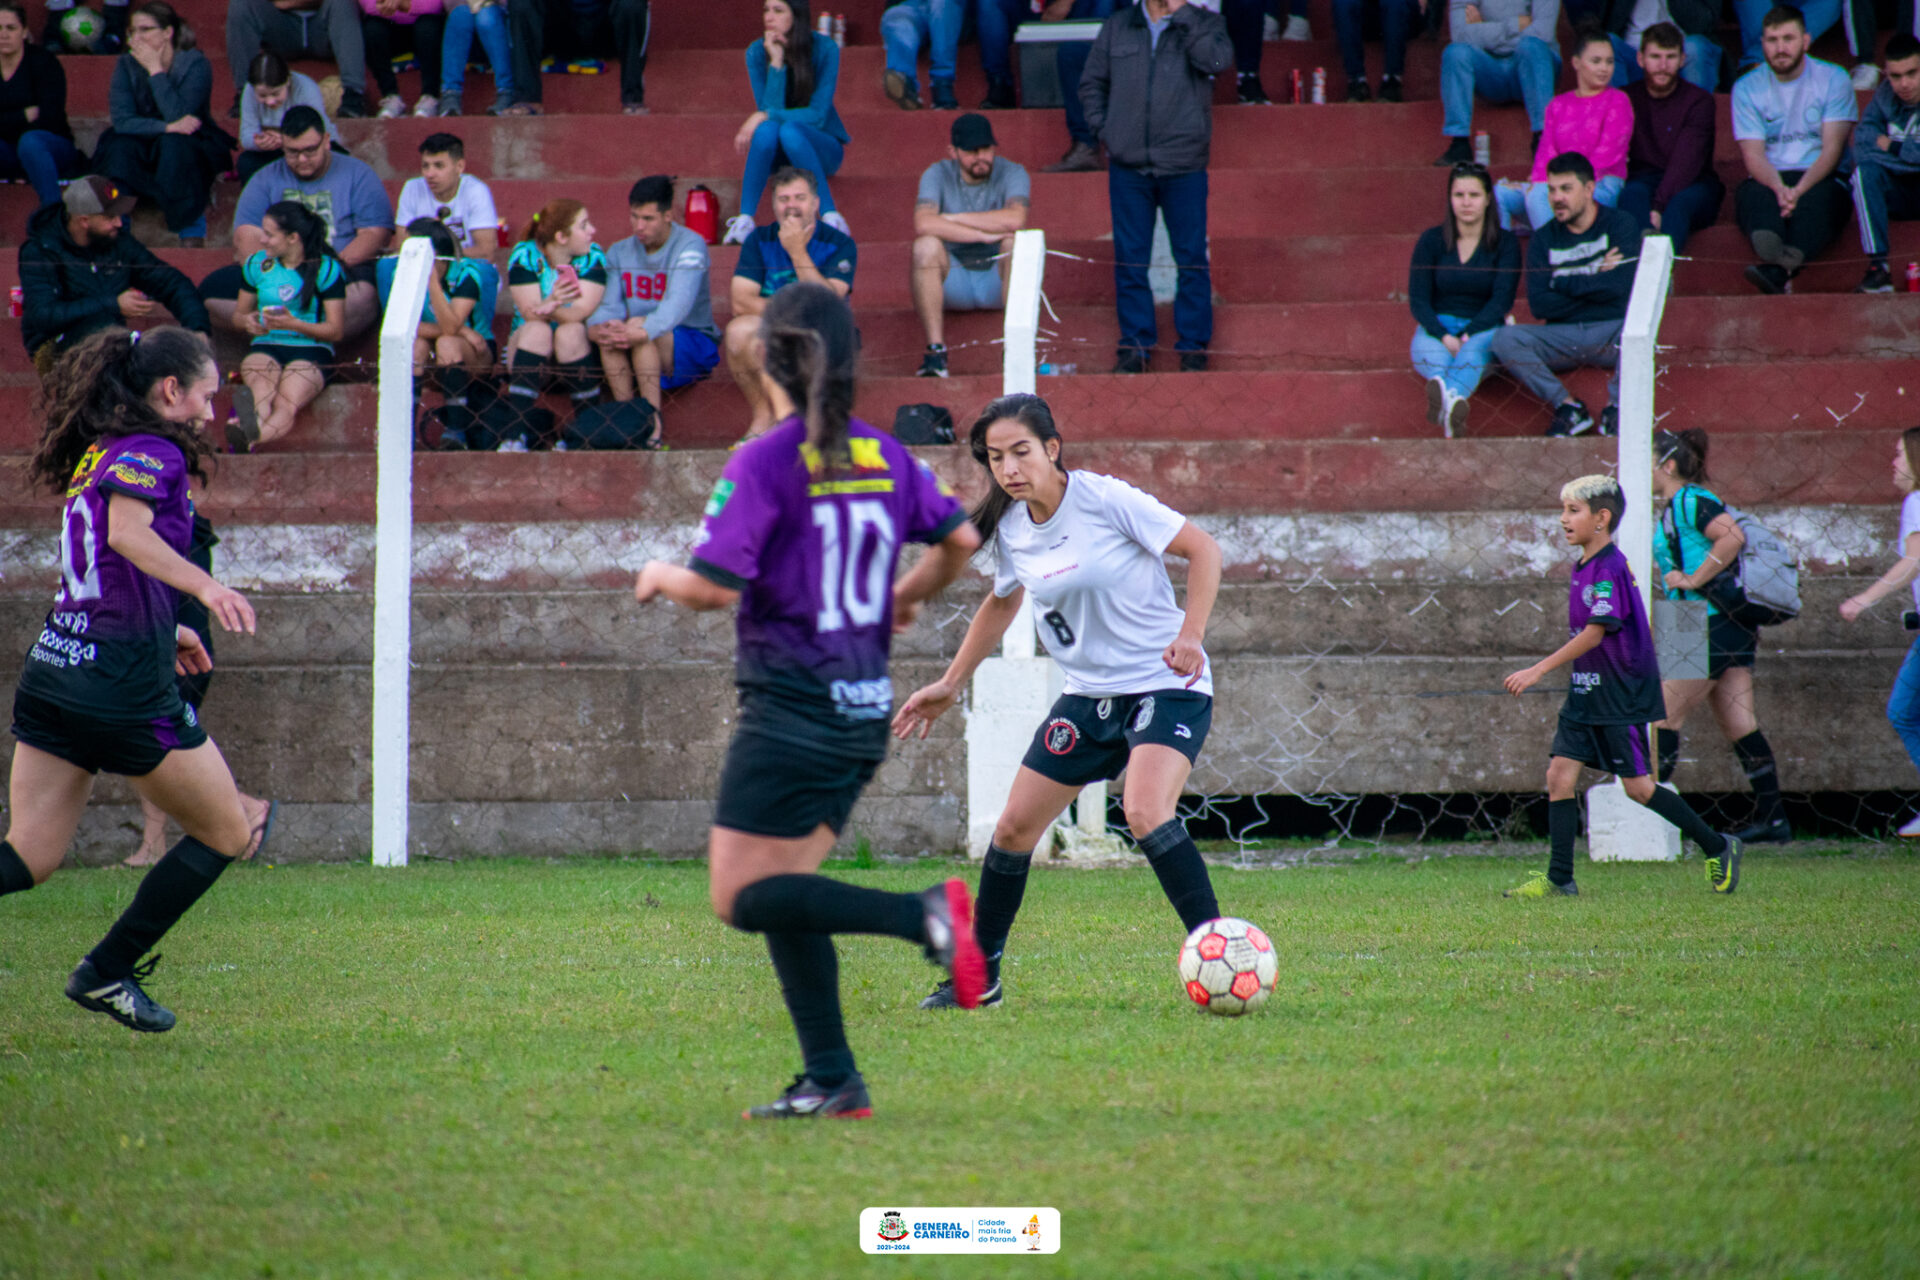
[1089, 739]
[1619, 749]
[131, 749]
[774, 788]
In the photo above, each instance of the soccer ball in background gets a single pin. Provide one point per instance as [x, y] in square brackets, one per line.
[1228, 967]
[81, 29]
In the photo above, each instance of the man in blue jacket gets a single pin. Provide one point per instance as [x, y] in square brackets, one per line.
[1148, 95]
[1580, 271]
[1886, 158]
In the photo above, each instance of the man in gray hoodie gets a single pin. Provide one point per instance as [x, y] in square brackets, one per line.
[1148, 94]
[655, 325]
[1886, 158]
[1505, 51]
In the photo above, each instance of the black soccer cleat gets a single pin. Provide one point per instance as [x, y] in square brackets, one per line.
[1723, 872]
[847, 1100]
[950, 940]
[934, 363]
[1570, 419]
[1779, 831]
[122, 999]
[942, 996]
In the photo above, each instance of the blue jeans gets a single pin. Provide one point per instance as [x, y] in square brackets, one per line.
[1462, 372]
[993, 23]
[1903, 707]
[937, 22]
[491, 24]
[1396, 21]
[1073, 60]
[1702, 66]
[804, 147]
[1539, 209]
[1182, 198]
[1691, 209]
[1526, 75]
[1820, 16]
[40, 157]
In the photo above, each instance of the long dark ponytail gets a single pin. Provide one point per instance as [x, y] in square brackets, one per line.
[1031, 412]
[99, 390]
[811, 344]
[799, 54]
[1687, 449]
[310, 229]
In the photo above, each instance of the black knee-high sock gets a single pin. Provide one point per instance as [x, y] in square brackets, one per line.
[527, 375]
[456, 415]
[581, 380]
[1756, 757]
[1183, 875]
[14, 876]
[1692, 825]
[1563, 828]
[1003, 883]
[175, 884]
[817, 904]
[809, 974]
[1667, 747]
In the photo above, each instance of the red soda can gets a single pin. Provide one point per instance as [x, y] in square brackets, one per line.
[1913, 285]
[17, 301]
[1297, 95]
[1319, 86]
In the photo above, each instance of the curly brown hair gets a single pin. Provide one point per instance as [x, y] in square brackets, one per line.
[99, 390]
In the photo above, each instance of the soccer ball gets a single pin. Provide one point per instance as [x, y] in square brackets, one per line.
[1228, 967]
[81, 29]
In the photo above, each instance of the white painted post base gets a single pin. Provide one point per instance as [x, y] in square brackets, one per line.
[1009, 697]
[1618, 830]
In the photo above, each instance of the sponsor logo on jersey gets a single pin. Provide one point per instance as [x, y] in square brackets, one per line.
[1061, 735]
[129, 476]
[717, 500]
[1144, 716]
[146, 460]
[1598, 598]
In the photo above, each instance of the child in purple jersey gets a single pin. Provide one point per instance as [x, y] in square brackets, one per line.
[126, 428]
[1613, 695]
[802, 533]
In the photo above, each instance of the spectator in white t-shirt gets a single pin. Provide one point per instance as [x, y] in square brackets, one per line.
[448, 194]
[1793, 119]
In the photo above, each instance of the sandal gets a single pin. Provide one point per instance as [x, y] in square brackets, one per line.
[243, 425]
[262, 832]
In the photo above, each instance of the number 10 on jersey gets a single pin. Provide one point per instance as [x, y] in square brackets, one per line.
[849, 595]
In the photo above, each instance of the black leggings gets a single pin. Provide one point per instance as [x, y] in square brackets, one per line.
[382, 37]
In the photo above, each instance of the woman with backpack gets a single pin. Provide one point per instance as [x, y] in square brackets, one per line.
[1697, 540]
[1903, 707]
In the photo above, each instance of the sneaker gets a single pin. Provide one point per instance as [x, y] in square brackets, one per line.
[1610, 421]
[194, 234]
[515, 445]
[1910, 829]
[943, 99]
[429, 105]
[448, 106]
[243, 424]
[1357, 91]
[1570, 419]
[1770, 248]
[1297, 29]
[1269, 29]
[1866, 78]
[1454, 424]
[1251, 92]
[838, 221]
[1436, 401]
[942, 997]
[950, 940]
[1768, 278]
[1391, 90]
[1193, 362]
[585, 67]
[634, 109]
[934, 363]
[1723, 872]
[1877, 280]
[123, 1000]
[847, 1100]
[901, 90]
[1131, 360]
[392, 107]
[1459, 151]
[1538, 886]
[739, 227]
[1000, 96]
[1081, 157]
[353, 105]
[1779, 831]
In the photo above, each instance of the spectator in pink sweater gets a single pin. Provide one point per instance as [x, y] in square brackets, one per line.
[1594, 120]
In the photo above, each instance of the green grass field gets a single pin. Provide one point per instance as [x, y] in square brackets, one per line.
[513, 1069]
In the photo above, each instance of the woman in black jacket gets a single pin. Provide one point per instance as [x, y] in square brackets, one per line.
[163, 144]
[35, 142]
[1461, 287]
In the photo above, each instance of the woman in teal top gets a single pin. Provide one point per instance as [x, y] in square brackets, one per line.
[293, 300]
[1696, 540]
[793, 75]
[557, 276]
[456, 332]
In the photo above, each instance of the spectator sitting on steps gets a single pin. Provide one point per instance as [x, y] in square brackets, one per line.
[1671, 186]
[557, 276]
[793, 77]
[325, 30]
[1594, 119]
[81, 272]
[273, 89]
[1461, 285]
[1886, 158]
[388, 24]
[456, 329]
[969, 206]
[799, 245]
[906, 25]
[1580, 272]
[447, 193]
[36, 143]
[293, 302]
[1504, 50]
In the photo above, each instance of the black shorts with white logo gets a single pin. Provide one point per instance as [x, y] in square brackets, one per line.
[1089, 739]
[1619, 749]
[1728, 645]
[131, 749]
[773, 788]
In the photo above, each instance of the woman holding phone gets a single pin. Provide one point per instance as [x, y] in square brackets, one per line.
[557, 276]
[294, 302]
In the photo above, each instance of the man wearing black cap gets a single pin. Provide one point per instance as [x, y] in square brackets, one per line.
[79, 273]
[969, 206]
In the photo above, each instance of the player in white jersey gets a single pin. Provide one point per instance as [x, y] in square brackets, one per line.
[1088, 551]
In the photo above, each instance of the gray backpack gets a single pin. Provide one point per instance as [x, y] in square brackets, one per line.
[1761, 588]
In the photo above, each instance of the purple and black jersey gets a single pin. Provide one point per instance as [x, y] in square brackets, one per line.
[107, 648]
[812, 553]
[1618, 682]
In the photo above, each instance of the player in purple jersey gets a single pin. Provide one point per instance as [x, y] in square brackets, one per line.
[802, 533]
[1613, 695]
[126, 428]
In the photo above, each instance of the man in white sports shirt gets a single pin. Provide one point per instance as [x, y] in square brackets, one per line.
[447, 193]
